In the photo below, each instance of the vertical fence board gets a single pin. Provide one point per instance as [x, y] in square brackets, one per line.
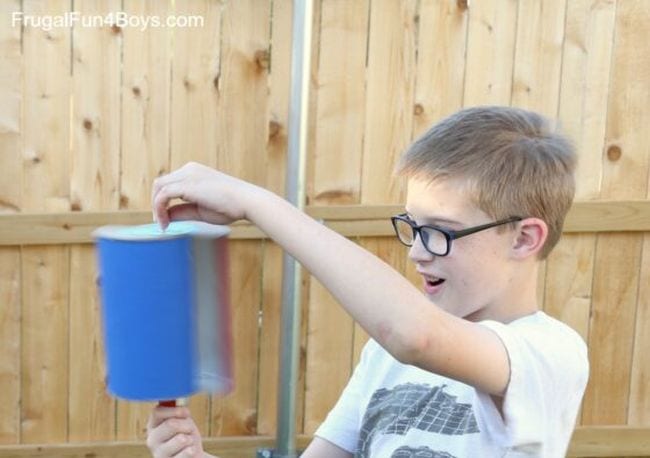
[236, 413]
[146, 65]
[267, 384]
[44, 270]
[244, 132]
[195, 81]
[328, 354]
[389, 98]
[91, 409]
[276, 149]
[637, 84]
[194, 98]
[10, 298]
[10, 201]
[336, 180]
[96, 60]
[490, 52]
[146, 61]
[94, 185]
[440, 72]
[10, 107]
[44, 345]
[46, 111]
[538, 55]
[585, 84]
[611, 329]
[340, 111]
[618, 256]
[583, 115]
[639, 405]
[244, 83]
[569, 282]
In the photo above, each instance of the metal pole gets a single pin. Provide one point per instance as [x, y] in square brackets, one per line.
[295, 193]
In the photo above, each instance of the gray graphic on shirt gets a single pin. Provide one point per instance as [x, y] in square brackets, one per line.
[407, 406]
[420, 452]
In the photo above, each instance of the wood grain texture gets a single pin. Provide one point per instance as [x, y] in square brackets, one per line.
[329, 353]
[612, 328]
[336, 180]
[46, 112]
[10, 202]
[44, 344]
[243, 134]
[45, 270]
[10, 369]
[91, 411]
[490, 52]
[11, 102]
[584, 90]
[94, 185]
[96, 73]
[341, 101]
[389, 98]
[276, 155]
[243, 83]
[538, 55]
[195, 78]
[236, 413]
[145, 118]
[637, 76]
[440, 70]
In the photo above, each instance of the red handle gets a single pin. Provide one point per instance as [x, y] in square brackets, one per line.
[171, 403]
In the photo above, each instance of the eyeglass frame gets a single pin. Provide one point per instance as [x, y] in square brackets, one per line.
[450, 234]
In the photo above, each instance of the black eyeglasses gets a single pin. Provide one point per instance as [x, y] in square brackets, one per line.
[436, 240]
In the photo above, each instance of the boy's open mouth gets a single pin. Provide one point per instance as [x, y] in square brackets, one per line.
[433, 281]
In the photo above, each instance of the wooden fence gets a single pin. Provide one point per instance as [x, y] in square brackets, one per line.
[90, 115]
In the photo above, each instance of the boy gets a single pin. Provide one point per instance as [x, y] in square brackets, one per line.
[468, 367]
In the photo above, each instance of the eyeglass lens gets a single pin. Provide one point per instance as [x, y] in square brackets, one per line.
[434, 240]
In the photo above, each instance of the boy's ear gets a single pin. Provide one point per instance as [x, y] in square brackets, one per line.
[530, 237]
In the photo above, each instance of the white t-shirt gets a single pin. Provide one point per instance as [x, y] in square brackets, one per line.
[389, 409]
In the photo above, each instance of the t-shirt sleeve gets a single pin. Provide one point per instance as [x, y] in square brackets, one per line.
[548, 375]
[341, 427]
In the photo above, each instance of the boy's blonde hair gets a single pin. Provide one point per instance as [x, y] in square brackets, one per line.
[514, 162]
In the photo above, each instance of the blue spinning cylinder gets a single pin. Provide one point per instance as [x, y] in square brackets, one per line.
[165, 310]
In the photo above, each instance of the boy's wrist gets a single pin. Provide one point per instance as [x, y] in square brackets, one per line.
[257, 199]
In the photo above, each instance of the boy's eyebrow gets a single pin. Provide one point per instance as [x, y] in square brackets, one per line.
[434, 220]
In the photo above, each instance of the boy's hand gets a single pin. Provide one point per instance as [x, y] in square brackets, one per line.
[171, 432]
[209, 196]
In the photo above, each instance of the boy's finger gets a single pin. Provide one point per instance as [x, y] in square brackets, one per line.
[159, 438]
[161, 200]
[160, 414]
[176, 446]
[183, 212]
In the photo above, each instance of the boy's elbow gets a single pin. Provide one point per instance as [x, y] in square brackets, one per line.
[410, 345]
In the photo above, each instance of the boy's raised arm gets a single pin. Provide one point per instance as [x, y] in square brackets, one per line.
[393, 311]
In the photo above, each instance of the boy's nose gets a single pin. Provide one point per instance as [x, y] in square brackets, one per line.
[417, 252]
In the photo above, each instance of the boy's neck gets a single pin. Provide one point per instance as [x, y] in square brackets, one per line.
[521, 300]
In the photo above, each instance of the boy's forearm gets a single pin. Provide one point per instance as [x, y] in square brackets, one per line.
[388, 306]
